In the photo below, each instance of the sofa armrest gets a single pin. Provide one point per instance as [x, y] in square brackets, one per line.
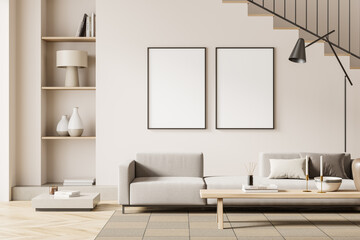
[126, 176]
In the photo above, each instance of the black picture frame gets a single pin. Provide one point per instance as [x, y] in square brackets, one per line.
[148, 88]
[216, 89]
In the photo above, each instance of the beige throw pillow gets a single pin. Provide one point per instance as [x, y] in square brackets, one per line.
[287, 168]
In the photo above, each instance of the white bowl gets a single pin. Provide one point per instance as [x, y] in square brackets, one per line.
[330, 184]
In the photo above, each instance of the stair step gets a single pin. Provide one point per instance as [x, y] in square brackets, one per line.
[354, 63]
[329, 52]
[282, 24]
[308, 37]
[254, 10]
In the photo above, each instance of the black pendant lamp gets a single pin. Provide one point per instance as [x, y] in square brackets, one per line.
[298, 54]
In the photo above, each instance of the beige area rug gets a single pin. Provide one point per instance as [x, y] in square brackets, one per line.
[201, 225]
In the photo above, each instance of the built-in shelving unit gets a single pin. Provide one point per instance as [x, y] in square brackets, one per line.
[69, 39]
[64, 159]
[56, 158]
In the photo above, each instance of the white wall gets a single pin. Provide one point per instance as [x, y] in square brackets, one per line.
[7, 98]
[308, 97]
[28, 90]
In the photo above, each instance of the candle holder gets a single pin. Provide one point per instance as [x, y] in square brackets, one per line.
[321, 183]
[307, 184]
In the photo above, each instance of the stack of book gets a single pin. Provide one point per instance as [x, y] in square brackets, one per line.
[66, 194]
[87, 26]
[79, 182]
[271, 188]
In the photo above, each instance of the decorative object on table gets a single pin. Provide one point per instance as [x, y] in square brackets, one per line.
[334, 166]
[307, 174]
[79, 182]
[250, 168]
[321, 179]
[356, 173]
[62, 126]
[298, 55]
[76, 126]
[244, 88]
[287, 168]
[66, 194]
[260, 188]
[178, 75]
[53, 189]
[71, 60]
[328, 184]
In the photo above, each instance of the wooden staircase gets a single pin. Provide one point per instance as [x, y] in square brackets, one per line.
[314, 18]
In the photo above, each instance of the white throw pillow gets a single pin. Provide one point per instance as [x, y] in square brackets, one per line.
[287, 168]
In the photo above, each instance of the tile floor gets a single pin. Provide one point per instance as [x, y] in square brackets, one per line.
[201, 225]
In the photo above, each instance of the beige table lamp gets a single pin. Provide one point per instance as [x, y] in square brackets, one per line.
[71, 60]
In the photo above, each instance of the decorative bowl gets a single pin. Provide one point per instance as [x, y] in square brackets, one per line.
[330, 184]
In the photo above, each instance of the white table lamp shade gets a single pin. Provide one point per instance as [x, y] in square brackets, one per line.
[71, 58]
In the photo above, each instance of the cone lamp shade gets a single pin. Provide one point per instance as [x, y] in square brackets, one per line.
[71, 60]
[298, 54]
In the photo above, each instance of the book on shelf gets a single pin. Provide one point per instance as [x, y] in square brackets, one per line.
[88, 20]
[87, 26]
[81, 31]
[260, 188]
[92, 25]
[79, 182]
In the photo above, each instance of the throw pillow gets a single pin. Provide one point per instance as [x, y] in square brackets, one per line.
[287, 168]
[333, 164]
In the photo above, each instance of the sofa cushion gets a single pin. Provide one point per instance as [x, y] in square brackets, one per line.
[169, 165]
[167, 191]
[287, 168]
[264, 163]
[347, 165]
[333, 164]
[235, 182]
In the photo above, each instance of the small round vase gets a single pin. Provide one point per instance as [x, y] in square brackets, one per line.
[76, 126]
[356, 173]
[62, 126]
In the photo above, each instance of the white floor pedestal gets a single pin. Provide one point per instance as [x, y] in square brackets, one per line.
[86, 201]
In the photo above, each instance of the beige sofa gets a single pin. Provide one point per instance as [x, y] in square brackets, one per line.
[176, 179]
[162, 179]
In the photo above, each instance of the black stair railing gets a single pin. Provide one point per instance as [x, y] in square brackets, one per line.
[337, 44]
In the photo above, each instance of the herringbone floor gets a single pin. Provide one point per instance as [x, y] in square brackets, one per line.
[18, 220]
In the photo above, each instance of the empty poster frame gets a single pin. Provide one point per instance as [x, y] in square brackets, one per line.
[176, 88]
[244, 88]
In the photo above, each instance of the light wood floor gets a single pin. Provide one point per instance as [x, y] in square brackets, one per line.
[18, 220]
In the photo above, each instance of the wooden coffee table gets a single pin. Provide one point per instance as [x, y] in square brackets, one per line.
[220, 194]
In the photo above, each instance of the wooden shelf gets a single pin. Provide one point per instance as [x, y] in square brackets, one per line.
[68, 88]
[68, 138]
[69, 39]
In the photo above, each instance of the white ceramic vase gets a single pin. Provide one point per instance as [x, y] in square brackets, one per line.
[62, 126]
[76, 126]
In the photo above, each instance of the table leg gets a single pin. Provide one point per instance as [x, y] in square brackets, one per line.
[220, 213]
